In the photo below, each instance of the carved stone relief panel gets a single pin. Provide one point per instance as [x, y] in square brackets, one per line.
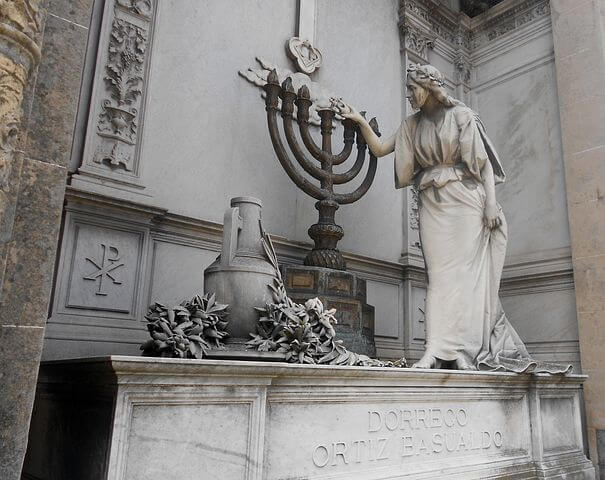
[100, 271]
[113, 138]
[104, 268]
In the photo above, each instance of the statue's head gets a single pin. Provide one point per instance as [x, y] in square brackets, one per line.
[423, 81]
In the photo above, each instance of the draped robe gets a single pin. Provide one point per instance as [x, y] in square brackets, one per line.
[464, 259]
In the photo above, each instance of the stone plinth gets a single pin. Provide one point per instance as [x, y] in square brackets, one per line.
[137, 418]
[345, 292]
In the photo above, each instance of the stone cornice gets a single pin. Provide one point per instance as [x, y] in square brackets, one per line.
[463, 34]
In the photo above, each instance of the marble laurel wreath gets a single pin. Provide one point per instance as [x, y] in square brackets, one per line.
[302, 333]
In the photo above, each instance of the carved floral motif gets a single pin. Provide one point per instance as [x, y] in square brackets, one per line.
[124, 80]
[416, 40]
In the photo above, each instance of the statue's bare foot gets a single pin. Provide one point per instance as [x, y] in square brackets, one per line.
[427, 361]
[463, 364]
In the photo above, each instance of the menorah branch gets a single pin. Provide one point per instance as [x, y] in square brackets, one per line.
[325, 233]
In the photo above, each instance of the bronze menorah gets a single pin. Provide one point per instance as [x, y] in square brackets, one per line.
[325, 233]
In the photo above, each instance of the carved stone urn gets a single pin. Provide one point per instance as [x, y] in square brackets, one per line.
[240, 276]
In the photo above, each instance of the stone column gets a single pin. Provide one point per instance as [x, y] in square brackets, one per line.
[580, 63]
[37, 111]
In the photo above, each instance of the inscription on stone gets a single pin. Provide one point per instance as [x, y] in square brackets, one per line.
[110, 261]
[409, 432]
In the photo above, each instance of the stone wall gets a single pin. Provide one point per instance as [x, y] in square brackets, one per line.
[41, 56]
[578, 31]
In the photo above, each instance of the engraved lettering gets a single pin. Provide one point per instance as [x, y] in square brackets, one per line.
[462, 443]
[422, 448]
[321, 456]
[110, 261]
[437, 443]
[418, 437]
[460, 415]
[450, 418]
[421, 417]
[447, 444]
[382, 445]
[406, 417]
[340, 450]
[391, 420]
[408, 446]
[376, 428]
[358, 443]
[436, 420]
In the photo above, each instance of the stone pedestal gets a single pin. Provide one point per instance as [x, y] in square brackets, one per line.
[135, 418]
[341, 290]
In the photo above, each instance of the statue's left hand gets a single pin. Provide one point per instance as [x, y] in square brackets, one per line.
[347, 111]
[491, 217]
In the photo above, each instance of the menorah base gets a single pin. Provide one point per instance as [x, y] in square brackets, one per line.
[343, 291]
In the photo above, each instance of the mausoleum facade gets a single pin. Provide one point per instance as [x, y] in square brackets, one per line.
[130, 124]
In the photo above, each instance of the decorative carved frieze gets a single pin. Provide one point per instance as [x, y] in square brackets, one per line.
[457, 30]
[415, 40]
[124, 81]
[510, 20]
[112, 145]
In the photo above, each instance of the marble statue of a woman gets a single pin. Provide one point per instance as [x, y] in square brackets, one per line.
[443, 149]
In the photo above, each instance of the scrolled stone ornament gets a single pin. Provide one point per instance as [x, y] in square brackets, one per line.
[444, 151]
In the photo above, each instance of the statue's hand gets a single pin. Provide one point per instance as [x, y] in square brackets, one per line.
[347, 111]
[491, 217]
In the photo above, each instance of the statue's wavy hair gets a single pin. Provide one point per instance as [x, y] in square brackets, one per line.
[432, 79]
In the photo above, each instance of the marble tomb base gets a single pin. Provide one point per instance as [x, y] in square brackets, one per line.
[141, 418]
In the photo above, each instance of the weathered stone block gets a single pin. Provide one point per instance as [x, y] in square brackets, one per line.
[20, 350]
[77, 11]
[55, 100]
[31, 254]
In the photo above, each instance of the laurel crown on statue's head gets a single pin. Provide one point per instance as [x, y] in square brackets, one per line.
[425, 74]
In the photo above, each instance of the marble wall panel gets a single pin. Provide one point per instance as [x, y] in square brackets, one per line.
[522, 118]
[159, 445]
[177, 272]
[386, 300]
[213, 130]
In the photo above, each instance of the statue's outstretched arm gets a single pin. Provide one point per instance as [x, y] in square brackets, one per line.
[378, 147]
